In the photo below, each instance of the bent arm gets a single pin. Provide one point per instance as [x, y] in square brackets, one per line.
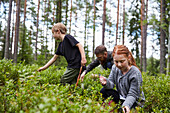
[111, 81]
[134, 91]
[50, 62]
[92, 65]
[83, 57]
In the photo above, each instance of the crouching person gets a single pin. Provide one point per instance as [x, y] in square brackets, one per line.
[127, 78]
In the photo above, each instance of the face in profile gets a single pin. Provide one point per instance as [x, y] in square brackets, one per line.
[56, 35]
[102, 57]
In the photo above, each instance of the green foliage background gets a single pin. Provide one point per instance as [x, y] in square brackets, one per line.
[22, 89]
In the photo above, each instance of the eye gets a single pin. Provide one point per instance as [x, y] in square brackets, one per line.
[116, 62]
[122, 61]
[99, 57]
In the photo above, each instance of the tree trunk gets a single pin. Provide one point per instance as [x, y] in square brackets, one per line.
[75, 11]
[53, 40]
[7, 41]
[145, 38]
[3, 44]
[85, 28]
[104, 21]
[23, 38]
[94, 28]
[46, 45]
[60, 10]
[162, 39]
[168, 60]
[12, 38]
[58, 17]
[46, 40]
[37, 24]
[117, 25]
[54, 14]
[70, 18]
[123, 40]
[43, 47]
[66, 13]
[16, 31]
[142, 34]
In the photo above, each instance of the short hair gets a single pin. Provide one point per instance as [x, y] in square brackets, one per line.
[59, 26]
[100, 49]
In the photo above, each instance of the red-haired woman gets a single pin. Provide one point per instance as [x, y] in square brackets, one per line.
[127, 78]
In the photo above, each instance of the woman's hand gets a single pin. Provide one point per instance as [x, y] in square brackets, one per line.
[102, 80]
[126, 109]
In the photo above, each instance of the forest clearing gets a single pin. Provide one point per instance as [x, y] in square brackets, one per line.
[27, 42]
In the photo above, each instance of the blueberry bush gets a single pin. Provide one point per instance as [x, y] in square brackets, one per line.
[23, 89]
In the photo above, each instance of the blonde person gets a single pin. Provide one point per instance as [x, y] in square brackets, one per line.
[127, 78]
[73, 52]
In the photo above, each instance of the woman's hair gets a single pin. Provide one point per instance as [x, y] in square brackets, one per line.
[100, 49]
[59, 26]
[122, 49]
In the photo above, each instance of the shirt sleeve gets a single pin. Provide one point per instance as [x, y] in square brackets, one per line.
[72, 40]
[134, 91]
[110, 84]
[91, 66]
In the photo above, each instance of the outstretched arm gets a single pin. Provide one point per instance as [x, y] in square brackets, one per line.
[83, 57]
[53, 59]
[90, 67]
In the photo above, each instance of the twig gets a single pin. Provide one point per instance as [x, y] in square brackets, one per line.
[79, 75]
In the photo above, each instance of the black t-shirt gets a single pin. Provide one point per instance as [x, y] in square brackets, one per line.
[70, 51]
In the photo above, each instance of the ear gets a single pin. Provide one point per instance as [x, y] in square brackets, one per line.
[105, 53]
[129, 60]
[129, 57]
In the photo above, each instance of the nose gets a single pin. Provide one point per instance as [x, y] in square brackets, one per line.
[119, 64]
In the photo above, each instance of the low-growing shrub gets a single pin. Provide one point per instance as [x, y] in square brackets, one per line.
[41, 91]
[157, 93]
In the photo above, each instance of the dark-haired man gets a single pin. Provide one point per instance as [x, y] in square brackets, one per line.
[104, 58]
